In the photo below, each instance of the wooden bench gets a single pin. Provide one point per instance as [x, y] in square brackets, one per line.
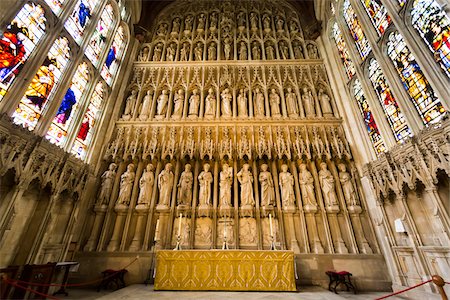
[338, 278]
[113, 276]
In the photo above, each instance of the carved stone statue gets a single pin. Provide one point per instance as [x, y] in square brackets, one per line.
[205, 179]
[198, 52]
[188, 23]
[201, 22]
[176, 25]
[274, 100]
[161, 108]
[279, 23]
[256, 51]
[267, 187]
[194, 102]
[284, 49]
[325, 103]
[298, 50]
[243, 51]
[185, 186]
[293, 27]
[287, 187]
[308, 102]
[162, 29]
[291, 102]
[347, 186]
[312, 51]
[245, 178]
[130, 104]
[146, 106]
[170, 52]
[254, 21]
[212, 51]
[270, 53]
[184, 52]
[165, 184]
[307, 186]
[146, 186]
[241, 19]
[143, 55]
[242, 104]
[126, 186]
[266, 22]
[213, 21]
[226, 181]
[107, 184]
[259, 103]
[226, 103]
[328, 187]
[178, 100]
[157, 51]
[210, 104]
[227, 49]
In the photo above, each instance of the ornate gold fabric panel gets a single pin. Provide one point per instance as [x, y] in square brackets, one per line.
[226, 270]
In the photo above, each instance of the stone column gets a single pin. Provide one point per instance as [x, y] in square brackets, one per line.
[141, 210]
[121, 211]
[99, 211]
[355, 212]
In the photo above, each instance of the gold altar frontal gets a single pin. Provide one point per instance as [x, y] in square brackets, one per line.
[225, 270]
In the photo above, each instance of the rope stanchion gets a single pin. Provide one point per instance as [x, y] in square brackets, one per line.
[405, 290]
[14, 284]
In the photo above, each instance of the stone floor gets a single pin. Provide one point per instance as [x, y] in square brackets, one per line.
[140, 291]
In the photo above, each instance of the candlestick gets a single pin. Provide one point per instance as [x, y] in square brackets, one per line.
[179, 224]
[270, 223]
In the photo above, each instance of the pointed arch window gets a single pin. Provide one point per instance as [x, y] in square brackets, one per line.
[98, 39]
[343, 52]
[390, 106]
[69, 105]
[79, 18]
[378, 15]
[93, 112]
[416, 84]
[371, 126]
[18, 41]
[433, 25]
[55, 5]
[355, 29]
[115, 53]
[43, 85]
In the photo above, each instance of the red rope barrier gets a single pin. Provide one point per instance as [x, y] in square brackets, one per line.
[405, 290]
[28, 289]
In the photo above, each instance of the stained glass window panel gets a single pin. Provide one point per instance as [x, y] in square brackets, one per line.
[416, 84]
[343, 51]
[84, 136]
[355, 29]
[79, 18]
[112, 62]
[98, 39]
[55, 5]
[390, 106]
[18, 41]
[69, 105]
[369, 120]
[378, 15]
[434, 26]
[42, 85]
[402, 2]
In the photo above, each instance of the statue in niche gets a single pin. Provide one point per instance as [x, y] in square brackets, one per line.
[270, 53]
[184, 52]
[176, 25]
[308, 102]
[227, 49]
[226, 103]
[260, 105]
[293, 27]
[241, 19]
[291, 102]
[226, 181]
[253, 21]
[194, 102]
[188, 23]
[185, 186]
[212, 51]
[165, 184]
[201, 22]
[107, 184]
[162, 29]
[198, 52]
[205, 180]
[347, 186]
[243, 51]
[267, 187]
[213, 21]
[256, 51]
[298, 51]
[266, 22]
[312, 51]
[307, 186]
[210, 104]
[287, 187]
[144, 54]
[170, 54]
[163, 99]
[325, 103]
[178, 100]
[126, 186]
[146, 186]
[245, 178]
[242, 104]
[146, 106]
[274, 100]
[130, 104]
[157, 51]
[279, 23]
[284, 50]
[326, 180]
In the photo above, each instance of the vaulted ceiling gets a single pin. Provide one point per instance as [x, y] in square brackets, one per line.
[311, 26]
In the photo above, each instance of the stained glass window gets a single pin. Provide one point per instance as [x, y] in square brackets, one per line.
[434, 26]
[55, 5]
[369, 120]
[390, 106]
[42, 85]
[58, 129]
[343, 52]
[416, 84]
[112, 62]
[378, 15]
[77, 22]
[355, 29]
[87, 127]
[98, 39]
[18, 41]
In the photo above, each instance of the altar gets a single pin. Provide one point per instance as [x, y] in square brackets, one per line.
[225, 270]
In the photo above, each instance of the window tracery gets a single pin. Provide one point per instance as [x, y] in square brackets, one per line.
[362, 44]
[343, 51]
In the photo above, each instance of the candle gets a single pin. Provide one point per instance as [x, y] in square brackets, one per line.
[270, 223]
[179, 224]
[225, 228]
